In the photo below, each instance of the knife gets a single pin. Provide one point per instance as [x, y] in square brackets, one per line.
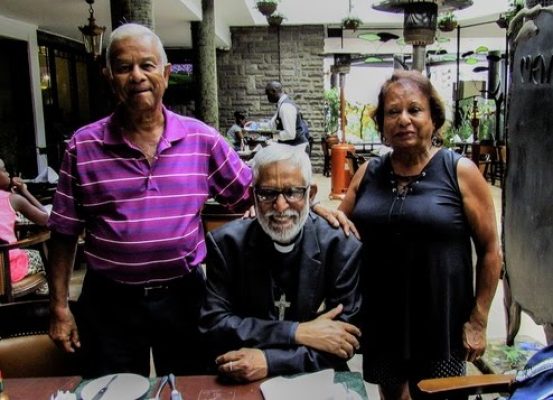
[104, 389]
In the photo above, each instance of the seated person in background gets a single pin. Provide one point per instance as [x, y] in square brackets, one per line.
[268, 277]
[14, 198]
[235, 133]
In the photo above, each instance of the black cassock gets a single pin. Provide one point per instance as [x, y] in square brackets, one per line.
[246, 275]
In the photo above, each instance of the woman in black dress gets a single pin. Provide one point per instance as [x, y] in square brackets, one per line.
[417, 210]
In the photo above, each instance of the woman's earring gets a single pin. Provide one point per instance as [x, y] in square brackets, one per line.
[436, 140]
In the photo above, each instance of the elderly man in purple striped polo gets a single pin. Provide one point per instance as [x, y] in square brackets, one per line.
[135, 182]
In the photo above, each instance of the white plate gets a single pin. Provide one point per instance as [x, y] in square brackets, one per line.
[124, 387]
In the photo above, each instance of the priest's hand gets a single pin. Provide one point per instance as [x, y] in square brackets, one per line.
[244, 365]
[324, 333]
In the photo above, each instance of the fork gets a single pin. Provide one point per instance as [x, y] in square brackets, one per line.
[175, 394]
[162, 384]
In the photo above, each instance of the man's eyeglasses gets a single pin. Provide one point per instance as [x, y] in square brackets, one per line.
[269, 195]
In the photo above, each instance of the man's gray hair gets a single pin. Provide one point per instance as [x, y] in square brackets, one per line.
[295, 155]
[132, 30]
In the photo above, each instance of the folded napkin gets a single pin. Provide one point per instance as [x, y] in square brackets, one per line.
[63, 395]
[318, 386]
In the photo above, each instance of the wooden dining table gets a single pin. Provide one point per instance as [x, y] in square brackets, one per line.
[198, 387]
[201, 387]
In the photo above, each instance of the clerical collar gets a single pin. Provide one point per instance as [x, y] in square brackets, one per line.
[289, 247]
[284, 248]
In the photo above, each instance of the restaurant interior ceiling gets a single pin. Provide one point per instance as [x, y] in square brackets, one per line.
[172, 20]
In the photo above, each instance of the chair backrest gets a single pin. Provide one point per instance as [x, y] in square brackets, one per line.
[25, 347]
[214, 215]
[450, 387]
[354, 160]
[8, 290]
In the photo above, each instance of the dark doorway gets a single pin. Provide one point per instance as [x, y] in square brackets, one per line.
[17, 132]
[73, 91]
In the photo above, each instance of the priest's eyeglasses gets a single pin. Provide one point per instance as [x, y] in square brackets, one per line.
[291, 194]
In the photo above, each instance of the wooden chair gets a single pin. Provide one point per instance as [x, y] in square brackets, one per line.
[354, 160]
[10, 291]
[487, 157]
[26, 350]
[326, 145]
[497, 171]
[214, 215]
[453, 387]
[326, 157]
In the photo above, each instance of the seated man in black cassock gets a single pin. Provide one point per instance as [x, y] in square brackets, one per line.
[282, 289]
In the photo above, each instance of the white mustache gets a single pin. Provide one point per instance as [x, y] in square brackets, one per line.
[286, 213]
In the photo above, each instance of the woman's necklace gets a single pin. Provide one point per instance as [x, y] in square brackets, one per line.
[403, 184]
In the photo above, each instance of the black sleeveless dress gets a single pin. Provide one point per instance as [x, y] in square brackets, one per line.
[417, 272]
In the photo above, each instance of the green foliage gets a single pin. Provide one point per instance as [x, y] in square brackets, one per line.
[268, 1]
[447, 22]
[351, 22]
[514, 356]
[275, 19]
[514, 7]
[180, 79]
[447, 17]
[332, 106]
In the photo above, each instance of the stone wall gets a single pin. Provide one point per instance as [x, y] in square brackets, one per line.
[289, 54]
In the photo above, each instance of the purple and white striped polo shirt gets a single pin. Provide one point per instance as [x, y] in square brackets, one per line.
[143, 222]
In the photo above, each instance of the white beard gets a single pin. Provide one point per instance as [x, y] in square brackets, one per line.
[283, 235]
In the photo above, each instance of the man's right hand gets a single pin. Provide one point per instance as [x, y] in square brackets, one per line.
[324, 333]
[63, 329]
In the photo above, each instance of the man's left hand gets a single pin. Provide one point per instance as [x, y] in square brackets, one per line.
[244, 365]
[336, 218]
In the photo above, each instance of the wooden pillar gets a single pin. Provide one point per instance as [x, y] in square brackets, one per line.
[333, 78]
[475, 122]
[203, 38]
[138, 11]
[343, 119]
[342, 70]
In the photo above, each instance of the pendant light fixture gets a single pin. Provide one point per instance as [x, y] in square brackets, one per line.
[92, 33]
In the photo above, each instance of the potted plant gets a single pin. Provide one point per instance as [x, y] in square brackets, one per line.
[275, 19]
[351, 22]
[267, 7]
[505, 18]
[447, 22]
